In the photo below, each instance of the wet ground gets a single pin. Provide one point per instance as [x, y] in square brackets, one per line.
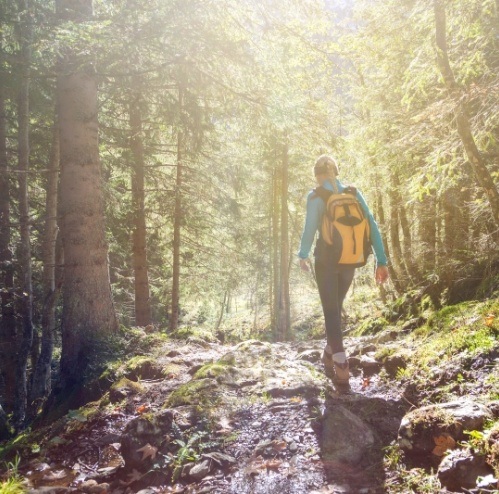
[271, 426]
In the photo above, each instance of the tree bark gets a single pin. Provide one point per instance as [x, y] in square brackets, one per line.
[483, 176]
[51, 278]
[139, 248]
[283, 312]
[428, 234]
[408, 253]
[26, 297]
[275, 253]
[396, 246]
[88, 316]
[8, 348]
[177, 218]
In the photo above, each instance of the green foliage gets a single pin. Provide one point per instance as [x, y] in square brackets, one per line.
[200, 392]
[371, 326]
[194, 332]
[14, 484]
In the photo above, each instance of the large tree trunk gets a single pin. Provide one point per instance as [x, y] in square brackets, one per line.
[283, 311]
[475, 158]
[51, 279]
[88, 316]
[270, 251]
[396, 246]
[177, 219]
[8, 346]
[427, 216]
[275, 253]
[408, 254]
[26, 298]
[139, 248]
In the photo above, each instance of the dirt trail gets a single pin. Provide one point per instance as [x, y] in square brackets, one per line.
[262, 414]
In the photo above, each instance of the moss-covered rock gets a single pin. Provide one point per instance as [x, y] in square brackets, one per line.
[195, 392]
[195, 334]
[218, 370]
[124, 388]
[141, 367]
[425, 429]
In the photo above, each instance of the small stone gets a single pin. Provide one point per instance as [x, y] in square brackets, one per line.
[201, 470]
[87, 484]
[312, 356]
[220, 458]
[186, 470]
[393, 363]
[99, 489]
[369, 365]
[293, 447]
[461, 469]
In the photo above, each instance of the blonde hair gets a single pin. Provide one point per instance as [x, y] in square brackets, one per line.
[327, 164]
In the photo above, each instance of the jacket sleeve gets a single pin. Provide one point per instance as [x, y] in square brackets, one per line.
[315, 209]
[376, 241]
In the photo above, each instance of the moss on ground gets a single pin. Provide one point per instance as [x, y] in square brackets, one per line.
[194, 332]
[214, 370]
[195, 392]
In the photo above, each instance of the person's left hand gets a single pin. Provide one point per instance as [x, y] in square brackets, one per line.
[382, 274]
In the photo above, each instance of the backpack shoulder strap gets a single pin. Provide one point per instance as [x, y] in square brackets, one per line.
[323, 193]
[350, 189]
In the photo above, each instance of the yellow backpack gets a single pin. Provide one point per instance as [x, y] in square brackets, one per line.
[345, 227]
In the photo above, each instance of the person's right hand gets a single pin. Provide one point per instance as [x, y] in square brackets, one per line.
[304, 265]
[381, 275]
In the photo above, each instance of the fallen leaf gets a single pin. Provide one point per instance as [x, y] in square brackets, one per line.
[296, 399]
[366, 382]
[135, 475]
[279, 445]
[443, 443]
[55, 475]
[255, 467]
[489, 320]
[273, 464]
[148, 451]
[142, 408]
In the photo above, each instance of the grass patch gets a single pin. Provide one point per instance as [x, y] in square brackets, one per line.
[469, 327]
[371, 325]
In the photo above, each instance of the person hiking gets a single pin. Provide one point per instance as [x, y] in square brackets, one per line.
[334, 279]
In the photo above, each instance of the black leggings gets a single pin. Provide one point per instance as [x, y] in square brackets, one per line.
[333, 283]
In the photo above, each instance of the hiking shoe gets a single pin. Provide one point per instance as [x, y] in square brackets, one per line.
[341, 374]
[327, 360]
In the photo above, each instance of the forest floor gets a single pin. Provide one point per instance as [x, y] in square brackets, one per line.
[191, 415]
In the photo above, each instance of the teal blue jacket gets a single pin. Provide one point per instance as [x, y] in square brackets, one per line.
[315, 210]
